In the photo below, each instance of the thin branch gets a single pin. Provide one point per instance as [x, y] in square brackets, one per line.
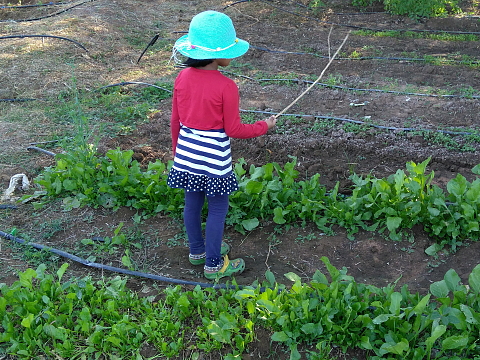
[316, 81]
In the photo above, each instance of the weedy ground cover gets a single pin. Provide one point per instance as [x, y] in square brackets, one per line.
[119, 107]
[415, 35]
[412, 8]
[41, 314]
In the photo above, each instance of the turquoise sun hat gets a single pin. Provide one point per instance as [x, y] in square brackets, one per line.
[211, 36]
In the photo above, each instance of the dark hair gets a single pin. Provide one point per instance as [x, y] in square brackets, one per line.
[197, 63]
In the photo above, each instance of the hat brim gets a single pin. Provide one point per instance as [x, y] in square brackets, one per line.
[240, 48]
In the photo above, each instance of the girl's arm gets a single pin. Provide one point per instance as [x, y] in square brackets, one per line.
[232, 122]
[174, 123]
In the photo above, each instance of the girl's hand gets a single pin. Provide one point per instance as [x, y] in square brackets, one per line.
[271, 121]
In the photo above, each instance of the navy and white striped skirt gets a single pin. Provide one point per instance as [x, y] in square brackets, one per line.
[203, 162]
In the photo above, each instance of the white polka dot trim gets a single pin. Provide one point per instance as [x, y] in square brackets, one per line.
[211, 185]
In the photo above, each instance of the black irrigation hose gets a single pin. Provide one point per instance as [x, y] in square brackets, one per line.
[7, 206]
[48, 16]
[49, 142]
[260, 48]
[374, 90]
[303, 115]
[363, 13]
[362, 27]
[356, 58]
[235, 3]
[41, 150]
[358, 89]
[105, 87]
[85, 262]
[19, 100]
[134, 83]
[153, 41]
[307, 7]
[299, 4]
[44, 36]
[362, 123]
[33, 5]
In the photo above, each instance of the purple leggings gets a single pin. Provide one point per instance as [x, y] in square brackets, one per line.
[192, 215]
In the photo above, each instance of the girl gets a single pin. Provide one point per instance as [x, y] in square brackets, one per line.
[205, 114]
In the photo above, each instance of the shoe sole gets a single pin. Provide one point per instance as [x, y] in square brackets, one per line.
[217, 275]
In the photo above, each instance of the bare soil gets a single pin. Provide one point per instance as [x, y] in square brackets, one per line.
[115, 33]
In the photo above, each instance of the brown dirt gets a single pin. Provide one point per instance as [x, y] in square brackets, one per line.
[105, 27]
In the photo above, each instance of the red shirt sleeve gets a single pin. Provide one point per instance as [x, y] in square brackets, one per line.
[174, 123]
[232, 122]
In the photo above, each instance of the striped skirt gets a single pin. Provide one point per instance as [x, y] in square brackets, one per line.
[203, 162]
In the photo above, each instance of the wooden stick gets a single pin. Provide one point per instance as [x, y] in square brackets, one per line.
[316, 81]
[328, 42]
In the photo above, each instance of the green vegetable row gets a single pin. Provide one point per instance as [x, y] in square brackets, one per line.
[43, 316]
[390, 205]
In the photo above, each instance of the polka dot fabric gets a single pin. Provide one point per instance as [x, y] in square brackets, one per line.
[210, 185]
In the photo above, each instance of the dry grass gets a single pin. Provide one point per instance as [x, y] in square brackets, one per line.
[115, 33]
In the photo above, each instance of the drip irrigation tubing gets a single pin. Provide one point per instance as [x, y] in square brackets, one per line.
[95, 265]
[41, 150]
[307, 7]
[362, 57]
[153, 41]
[358, 89]
[390, 58]
[44, 36]
[49, 142]
[134, 83]
[17, 100]
[308, 82]
[303, 115]
[363, 27]
[376, 90]
[8, 206]
[363, 13]
[33, 5]
[47, 16]
[362, 123]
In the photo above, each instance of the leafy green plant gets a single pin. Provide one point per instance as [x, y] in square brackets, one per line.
[118, 243]
[317, 5]
[389, 323]
[322, 126]
[303, 238]
[424, 8]
[414, 8]
[420, 35]
[44, 315]
[111, 181]
[448, 141]
[249, 118]
[178, 240]
[364, 3]
[334, 79]
[389, 205]
[355, 128]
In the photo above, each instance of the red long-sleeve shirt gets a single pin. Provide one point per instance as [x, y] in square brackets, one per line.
[208, 100]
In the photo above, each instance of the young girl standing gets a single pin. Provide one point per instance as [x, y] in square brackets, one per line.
[205, 114]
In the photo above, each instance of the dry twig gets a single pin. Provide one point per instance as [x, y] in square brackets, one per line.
[268, 255]
[316, 81]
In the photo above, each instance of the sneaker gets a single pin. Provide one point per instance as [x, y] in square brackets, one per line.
[227, 268]
[200, 259]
